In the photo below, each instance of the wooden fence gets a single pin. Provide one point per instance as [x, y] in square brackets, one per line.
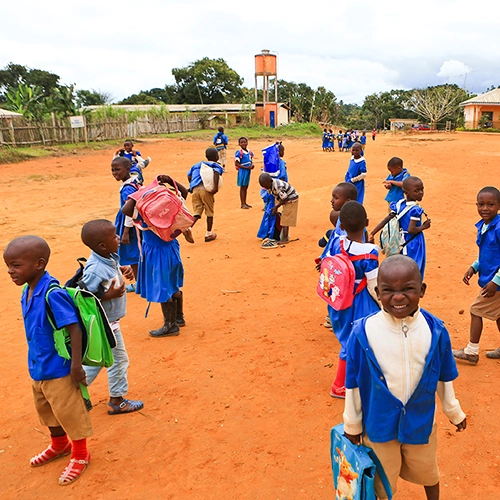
[20, 132]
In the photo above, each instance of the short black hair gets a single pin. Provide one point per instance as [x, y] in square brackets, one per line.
[399, 260]
[122, 160]
[395, 162]
[410, 180]
[353, 216]
[350, 190]
[34, 246]
[92, 232]
[221, 129]
[128, 140]
[211, 154]
[491, 190]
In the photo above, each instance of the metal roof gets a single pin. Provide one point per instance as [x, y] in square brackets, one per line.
[491, 97]
[5, 113]
[181, 108]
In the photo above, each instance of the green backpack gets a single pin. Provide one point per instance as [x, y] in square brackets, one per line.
[97, 336]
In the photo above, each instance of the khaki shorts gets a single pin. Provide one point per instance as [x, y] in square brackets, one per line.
[222, 157]
[486, 307]
[202, 200]
[59, 403]
[289, 215]
[416, 463]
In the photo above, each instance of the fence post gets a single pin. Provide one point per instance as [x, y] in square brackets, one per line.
[13, 132]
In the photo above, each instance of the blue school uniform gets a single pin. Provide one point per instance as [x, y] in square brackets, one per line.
[364, 304]
[220, 141]
[195, 173]
[325, 140]
[416, 243]
[340, 138]
[395, 192]
[161, 273]
[411, 423]
[245, 158]
[362, 140]
[44, 363]
[129, 254]
[489, 251]
[331, 137]
[135, 170]
[357, 167]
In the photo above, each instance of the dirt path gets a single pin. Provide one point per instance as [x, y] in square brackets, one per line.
[238, 406]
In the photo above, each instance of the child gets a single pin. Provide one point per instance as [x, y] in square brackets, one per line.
[353, 220]
[325, 140]
[129, 244]
[331, 140]
[487, 267]
[136, 161]
[410, 221]
[394, 181]
[203, 199]
[270, 227]
[56, 381]
[340, 139]
[220, 143]
[397, 359]
[374, 133]
[287, 197]
[362, 140]
[161, 274]
[356, 172]
[103, 277]
[243, 161]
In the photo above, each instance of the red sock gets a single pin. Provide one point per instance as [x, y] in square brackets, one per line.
[79, 449]
[340, 377]
[59, 442]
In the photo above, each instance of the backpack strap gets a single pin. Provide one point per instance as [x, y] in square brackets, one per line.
[380, 470]
[353, 258]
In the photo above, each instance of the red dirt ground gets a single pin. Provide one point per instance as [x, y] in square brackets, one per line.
[238, 406]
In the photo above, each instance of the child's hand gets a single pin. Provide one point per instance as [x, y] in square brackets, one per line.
[426, 224]
[127, 272]
[114, 292]
[165, 179]
[468, 275]
[462, 425]
[387, 184]
[78, 374]
[274, 210]
[371, 238]
[489, 290]
[355, 438]
[125, 239]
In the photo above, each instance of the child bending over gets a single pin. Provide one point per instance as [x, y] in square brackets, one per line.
[56, 381]
[397, 359]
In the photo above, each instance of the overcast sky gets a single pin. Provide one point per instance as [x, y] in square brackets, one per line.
[353, 48]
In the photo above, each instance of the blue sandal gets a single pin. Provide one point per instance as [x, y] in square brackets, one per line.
[126, 406]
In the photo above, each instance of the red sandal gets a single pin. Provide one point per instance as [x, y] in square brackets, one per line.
[73, 470]
[49, 454]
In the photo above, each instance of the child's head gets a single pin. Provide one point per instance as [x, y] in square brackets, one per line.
[356, 150]
[120, 168]
[399, 286]
[243, 142]
[265, 180]
[100, 236]
[221, 129]
[488, 203]
[26, 258]
[281, 150]
[353, 217]
[342, 193]
[211, 154]
[395, 166]
[413, 188]
[128, 145]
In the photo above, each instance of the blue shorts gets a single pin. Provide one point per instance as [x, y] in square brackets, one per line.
[243, 177]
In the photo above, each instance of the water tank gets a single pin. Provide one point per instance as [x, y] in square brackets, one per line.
[265, 64]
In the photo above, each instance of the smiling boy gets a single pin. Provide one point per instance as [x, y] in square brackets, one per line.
[397, 359]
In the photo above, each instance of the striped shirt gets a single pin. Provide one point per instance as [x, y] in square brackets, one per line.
[283, 191]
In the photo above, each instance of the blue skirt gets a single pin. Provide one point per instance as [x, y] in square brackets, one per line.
[416, 250]
[161, 273]
[243, 177]
[129, 254]
[268, 224]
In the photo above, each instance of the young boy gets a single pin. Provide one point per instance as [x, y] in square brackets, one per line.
[220, 144]
[56, 381]
[356, 171]
[202, 198]
[487, 267]
[394, 181]
[243, 161]
[286, 196]
[397, 359]
[103, 277]
[136, 161]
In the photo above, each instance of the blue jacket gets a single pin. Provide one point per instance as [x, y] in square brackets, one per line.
[220, 141]
[385, 418]
[489, 251]
[195, 175]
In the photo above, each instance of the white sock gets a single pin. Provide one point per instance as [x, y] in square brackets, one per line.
[472, 348]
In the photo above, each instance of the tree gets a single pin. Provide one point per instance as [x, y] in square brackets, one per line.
[207, 81]
[26, 100]
[436, 103]
[93, 97]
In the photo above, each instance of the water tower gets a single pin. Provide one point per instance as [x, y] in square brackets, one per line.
[266, 88]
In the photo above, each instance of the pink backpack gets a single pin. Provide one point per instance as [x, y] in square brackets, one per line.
[337, 279]
[162, 210]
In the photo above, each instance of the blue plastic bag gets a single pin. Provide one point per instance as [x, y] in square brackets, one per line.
[271, 155]
[354, 468]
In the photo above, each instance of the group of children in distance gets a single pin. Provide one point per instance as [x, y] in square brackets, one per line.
[394, 356]
[345, 140]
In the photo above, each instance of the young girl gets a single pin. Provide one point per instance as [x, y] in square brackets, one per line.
[340, 139]
[137, 163]
[325, 140]
[356, 172]
[410, 222]
[243, 161]
[129, 245]
[161, 274]
[353, 221]
[394, 181]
